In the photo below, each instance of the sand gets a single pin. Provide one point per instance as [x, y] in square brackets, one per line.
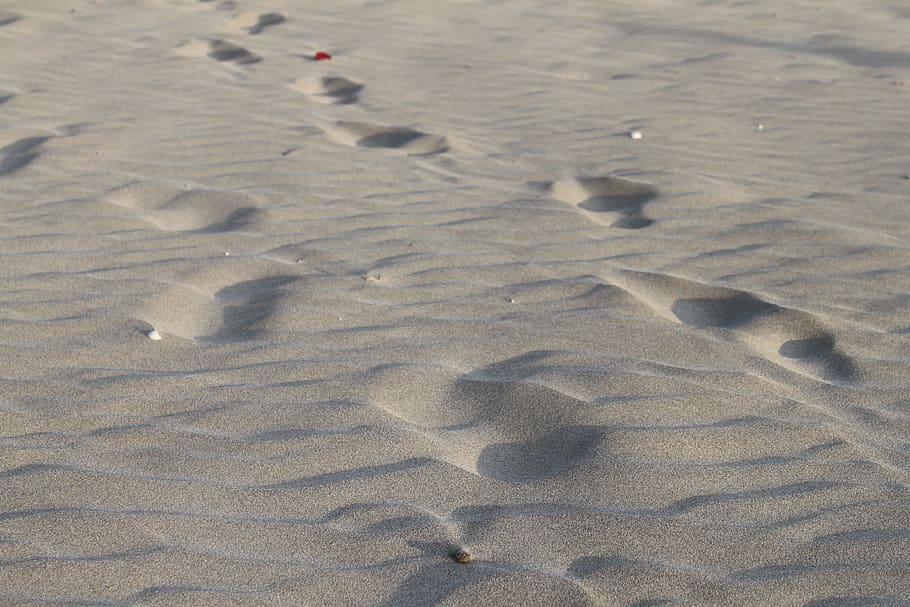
[435, 330]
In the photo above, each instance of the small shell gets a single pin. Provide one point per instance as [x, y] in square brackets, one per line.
[462, 556]
[154, 335]
[635, 135]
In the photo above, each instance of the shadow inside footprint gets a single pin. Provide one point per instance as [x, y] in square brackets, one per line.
[408, 140]
[19, 154]
[329, 89]
[721, 311]
[7, 17]
[248, 305]
[833, 365]
[392, 138]
[342, 90]
[222, 50]
[540, 458]
[237, 219]
[225, 5]
[807, 348]
[265, 21]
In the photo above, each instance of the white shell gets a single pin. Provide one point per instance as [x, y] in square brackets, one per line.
[154, 335]
[635, 135]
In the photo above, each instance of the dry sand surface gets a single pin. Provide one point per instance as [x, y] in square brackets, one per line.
[429, 296]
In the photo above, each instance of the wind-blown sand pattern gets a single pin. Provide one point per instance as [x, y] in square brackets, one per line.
[434, 329]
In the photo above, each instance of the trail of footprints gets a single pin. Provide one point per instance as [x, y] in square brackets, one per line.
[792, 339]
[336, 90]
[504, 428]
[246, 309]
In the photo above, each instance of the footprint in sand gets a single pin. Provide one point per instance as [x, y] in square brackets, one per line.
[248, 307]
[225, 5]
[607, 196]
[220, 50]
[255, 24]
[367, 135]
[790, 338]
[196, 303]
[495, 422]
[179, 210]
[7, 17]
[329, 89]
[19, 154]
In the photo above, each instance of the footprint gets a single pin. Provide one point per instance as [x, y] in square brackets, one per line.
[329, 89]
[180, 210]
[539, 458]
[225, 5]
[487, 422]
[790, 338]
[196, 304]
[254, 24]
[220, 50]
[613, 195]
[366, 135]
[248, 306]
[7, 17]
[19, 154]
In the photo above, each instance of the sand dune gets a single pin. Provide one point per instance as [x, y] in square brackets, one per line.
[434, 329]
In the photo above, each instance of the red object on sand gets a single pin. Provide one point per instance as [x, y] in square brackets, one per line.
[322, 56]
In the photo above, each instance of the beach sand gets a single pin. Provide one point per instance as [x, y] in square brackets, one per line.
[427, 301]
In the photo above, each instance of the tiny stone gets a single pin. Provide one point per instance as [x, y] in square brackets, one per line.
[154, 335]
[761, 127]
[635, 135]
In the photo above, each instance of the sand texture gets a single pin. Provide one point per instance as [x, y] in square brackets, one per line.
[434, 328]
